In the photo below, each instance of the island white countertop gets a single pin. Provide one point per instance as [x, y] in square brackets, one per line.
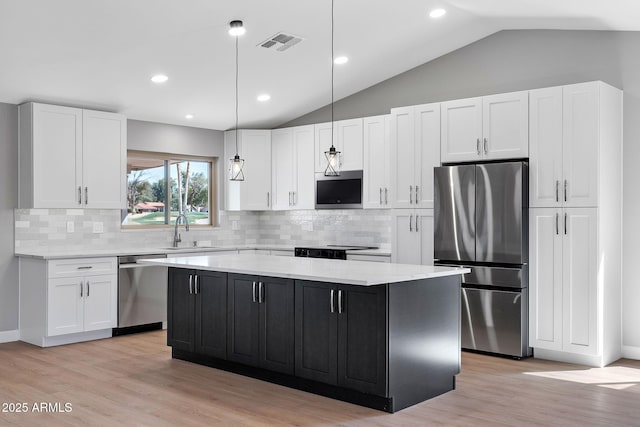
[360, 273]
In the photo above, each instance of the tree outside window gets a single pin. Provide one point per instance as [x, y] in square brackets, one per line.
[159, 188]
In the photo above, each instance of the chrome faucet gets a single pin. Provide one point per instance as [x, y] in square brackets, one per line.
[176, 236]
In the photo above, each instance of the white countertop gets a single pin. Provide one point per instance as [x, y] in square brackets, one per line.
[90, 253]
[360, 273]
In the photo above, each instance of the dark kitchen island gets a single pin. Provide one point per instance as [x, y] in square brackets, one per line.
[386, 336]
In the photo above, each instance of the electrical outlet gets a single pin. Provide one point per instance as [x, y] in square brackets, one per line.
[70, 227]
[98, 227]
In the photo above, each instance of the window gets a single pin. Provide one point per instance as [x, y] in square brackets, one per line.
[162, 186]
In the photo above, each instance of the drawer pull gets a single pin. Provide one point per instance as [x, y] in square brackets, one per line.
[85, 267]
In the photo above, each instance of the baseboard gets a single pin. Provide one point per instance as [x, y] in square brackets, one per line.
[577, 359]
[9, 336]
[630, 352]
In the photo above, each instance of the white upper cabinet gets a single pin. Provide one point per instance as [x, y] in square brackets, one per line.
[376, 169]
[292, 168]
[71, 157]
[104, 156]
[580, 143]
[462, 130]
[485, 128]
[565, 145]
[254, 193]
[415, 151]
[545, 136]
[347, 138]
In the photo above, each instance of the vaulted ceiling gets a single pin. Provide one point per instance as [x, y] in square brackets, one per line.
[102, 54]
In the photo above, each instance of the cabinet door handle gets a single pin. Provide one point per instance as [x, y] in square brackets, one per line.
[417, 223]
[260, 292]
[386, 200]
[88, 288]
[332, 305]
[411, 194]
[86, 195]
[253, 292]
[340, 308]
[380, 195]
[417, 194]
[295, 198]
[79, 195]
[478, 146]
[196, 284]
[565, 223]
[486, 145]
[267, 199]
[191, 284]
[410, 221]
[557, 190]
[557, 231]
[565, 190]
[81, 288]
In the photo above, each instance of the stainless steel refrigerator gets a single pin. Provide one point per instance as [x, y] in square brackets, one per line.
[481, 222]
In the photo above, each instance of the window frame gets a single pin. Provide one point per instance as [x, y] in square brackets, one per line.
[168, 157]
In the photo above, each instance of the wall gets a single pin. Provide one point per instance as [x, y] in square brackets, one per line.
[517, 60]
[8, 202]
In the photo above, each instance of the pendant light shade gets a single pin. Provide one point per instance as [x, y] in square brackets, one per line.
[236, 163]
[332, 155]
[333, 161]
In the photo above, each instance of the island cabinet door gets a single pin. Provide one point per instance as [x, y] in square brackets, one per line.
[181, 310]
[275, 297]
[362, 338]
[243, 319]
[316, 325]
[210, 289]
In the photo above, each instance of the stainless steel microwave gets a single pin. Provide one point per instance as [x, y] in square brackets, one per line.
[339, 192]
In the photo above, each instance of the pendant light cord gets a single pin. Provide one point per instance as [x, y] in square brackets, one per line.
[237, 94]
[332, 79]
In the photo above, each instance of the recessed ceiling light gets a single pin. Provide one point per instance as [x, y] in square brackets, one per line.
[264, 97]
[341, 60]
[437, 13]
[159, 78]
[189, 116]
[236, 28]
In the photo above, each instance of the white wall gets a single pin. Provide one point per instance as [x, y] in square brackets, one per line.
[518, 60]
[8, 202]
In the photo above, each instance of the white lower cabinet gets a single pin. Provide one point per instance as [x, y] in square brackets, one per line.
[67, 300]
[79, 304]
[566, 273]
[412, 237]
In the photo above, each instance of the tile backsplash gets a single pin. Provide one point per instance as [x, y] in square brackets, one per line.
[55, 230]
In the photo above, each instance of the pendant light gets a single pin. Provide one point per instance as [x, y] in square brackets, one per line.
[236, 163]
[332, 155]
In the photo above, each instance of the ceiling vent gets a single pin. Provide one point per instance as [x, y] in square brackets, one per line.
[281, 42]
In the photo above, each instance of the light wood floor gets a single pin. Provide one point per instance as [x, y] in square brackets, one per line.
[132, 380]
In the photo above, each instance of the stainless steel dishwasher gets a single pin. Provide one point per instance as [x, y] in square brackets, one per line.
[142, 295]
